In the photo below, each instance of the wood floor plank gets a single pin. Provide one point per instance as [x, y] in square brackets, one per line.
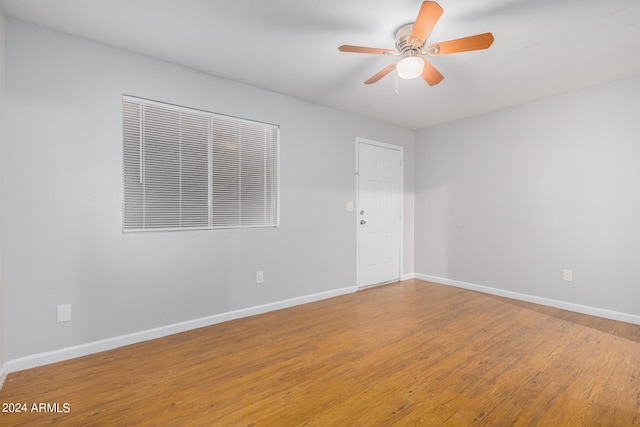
[412, 353]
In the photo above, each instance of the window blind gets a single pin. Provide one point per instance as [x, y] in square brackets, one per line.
[189, 169]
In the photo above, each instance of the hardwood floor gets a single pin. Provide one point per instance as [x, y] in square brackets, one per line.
[411, 353]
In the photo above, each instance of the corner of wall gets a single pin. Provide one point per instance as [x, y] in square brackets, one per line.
[3, 365]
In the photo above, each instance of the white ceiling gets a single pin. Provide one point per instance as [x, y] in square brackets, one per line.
[541, 48]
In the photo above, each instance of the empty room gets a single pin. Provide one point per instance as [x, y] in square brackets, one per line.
[337, 213]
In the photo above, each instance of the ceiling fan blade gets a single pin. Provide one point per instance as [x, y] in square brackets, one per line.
[429, 14]
[362, 49]
[430, 74]
[380, 74]
[465, 44]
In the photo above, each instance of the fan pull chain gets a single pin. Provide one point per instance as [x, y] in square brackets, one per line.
[396, 82]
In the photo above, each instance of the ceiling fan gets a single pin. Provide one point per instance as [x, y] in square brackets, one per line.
[410, 44]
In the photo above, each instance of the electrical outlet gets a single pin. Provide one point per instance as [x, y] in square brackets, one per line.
[567, 275]
[64, 313]
[259, 276]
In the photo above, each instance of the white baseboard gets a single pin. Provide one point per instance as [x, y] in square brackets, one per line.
[408, 276]
[593, 311]
[46, 358]
[4, 371]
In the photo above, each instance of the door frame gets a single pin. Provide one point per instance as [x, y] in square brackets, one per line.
[399, 148]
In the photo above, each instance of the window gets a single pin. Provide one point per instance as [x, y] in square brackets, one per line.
[189, 169]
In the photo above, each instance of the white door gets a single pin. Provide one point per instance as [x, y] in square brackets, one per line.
[379, 213]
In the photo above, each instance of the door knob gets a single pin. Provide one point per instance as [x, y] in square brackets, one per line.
[363, 222]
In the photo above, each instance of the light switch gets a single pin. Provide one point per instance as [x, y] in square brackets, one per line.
[349, 206]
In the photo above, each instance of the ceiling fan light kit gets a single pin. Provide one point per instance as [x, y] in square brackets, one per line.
[410, 67]
[410, 44]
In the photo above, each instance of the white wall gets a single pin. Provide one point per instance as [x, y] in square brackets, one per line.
[509, 199]
[2, 193]
[63, 220]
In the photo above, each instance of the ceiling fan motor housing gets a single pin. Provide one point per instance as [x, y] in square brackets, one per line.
[403, 44]
[408, 48]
